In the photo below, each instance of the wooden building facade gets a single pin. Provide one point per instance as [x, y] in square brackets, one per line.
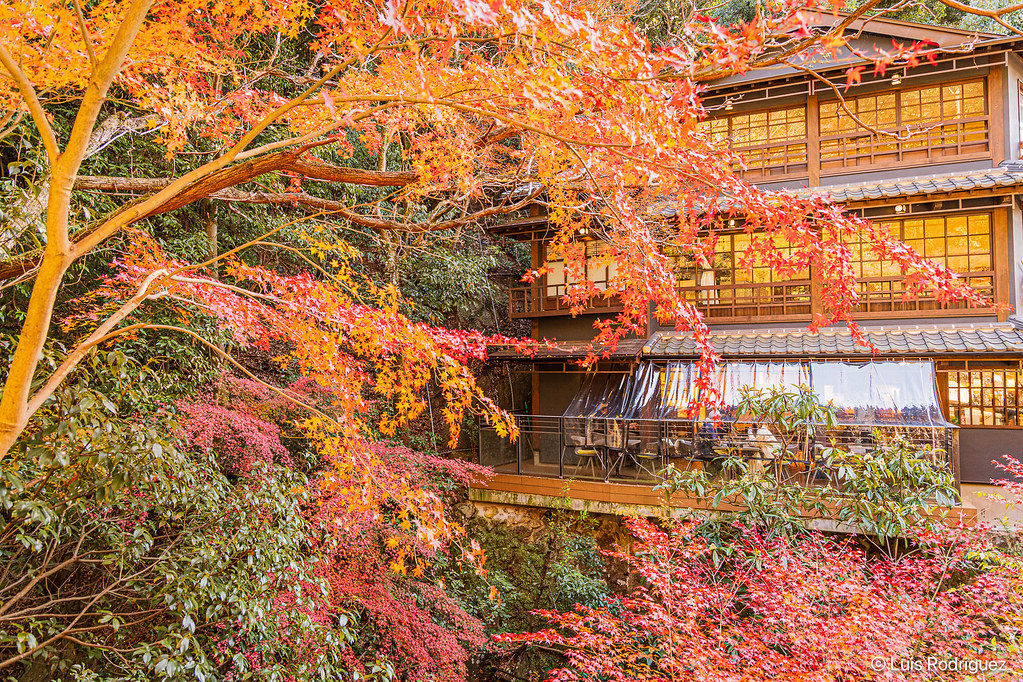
[953, 190]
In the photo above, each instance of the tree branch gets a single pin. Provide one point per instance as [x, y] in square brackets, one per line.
[35, 108]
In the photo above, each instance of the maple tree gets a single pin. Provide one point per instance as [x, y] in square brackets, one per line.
[484, 108]
[415, 117]
[796, 607]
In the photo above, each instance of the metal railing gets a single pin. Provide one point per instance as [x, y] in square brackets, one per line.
[637, 451]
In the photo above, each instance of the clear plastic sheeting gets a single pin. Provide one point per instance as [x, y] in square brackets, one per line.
[643, 400]
[733, 377]
[865, 394]
[676, 390]
[879, 393]
[587, 401]
[632, 426]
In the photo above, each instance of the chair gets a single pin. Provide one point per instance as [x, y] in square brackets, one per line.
[644, 456]
[587, 456]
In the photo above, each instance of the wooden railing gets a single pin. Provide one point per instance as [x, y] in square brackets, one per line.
[774, 160]
[792, 300]
[887, 297]
[777, 300]
[961, 138]
[789, 301]
[541, 299]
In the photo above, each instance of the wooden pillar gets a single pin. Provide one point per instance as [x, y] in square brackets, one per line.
[1002, 258]
[813, 141]
[535, 260]
[941, 379]
[996, 107]
[816, 306]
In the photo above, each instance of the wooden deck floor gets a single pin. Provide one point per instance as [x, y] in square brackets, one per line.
[619, 498]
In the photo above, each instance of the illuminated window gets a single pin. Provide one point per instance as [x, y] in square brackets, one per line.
[598, 269]
[733, 266]
[985, 397]
[940, 120]
[960, 242]
[769, 142]
[736, 284]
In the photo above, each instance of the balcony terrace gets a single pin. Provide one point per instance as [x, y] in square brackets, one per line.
[622, 432]
[789, 301]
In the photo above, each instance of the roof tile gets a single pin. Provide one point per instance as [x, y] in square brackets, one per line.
[1006, 175]
[993, 338]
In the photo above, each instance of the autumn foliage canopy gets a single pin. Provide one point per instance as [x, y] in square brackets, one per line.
[481, 108]
[387, 117]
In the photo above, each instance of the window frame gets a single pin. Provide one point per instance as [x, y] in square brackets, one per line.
[795, 162]
[955, 389]
[860, 148]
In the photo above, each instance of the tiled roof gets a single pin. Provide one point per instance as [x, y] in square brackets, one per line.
[627, 349]
[1008, 175]
[960, 339]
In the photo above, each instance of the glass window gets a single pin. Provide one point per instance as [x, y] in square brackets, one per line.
[941, 120]
[961, 243]
[599, 269]
[756, 136]
[985, 397]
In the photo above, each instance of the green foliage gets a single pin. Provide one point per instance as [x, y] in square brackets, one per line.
[893, 488]
[127, 558]
[886, 492]
[556, 567]
[450, 282]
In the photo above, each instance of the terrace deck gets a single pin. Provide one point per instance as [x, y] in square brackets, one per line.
[625, 499]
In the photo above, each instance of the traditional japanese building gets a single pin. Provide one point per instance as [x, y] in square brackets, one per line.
[948, 376]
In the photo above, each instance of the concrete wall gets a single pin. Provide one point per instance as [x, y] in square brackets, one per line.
[990, 509]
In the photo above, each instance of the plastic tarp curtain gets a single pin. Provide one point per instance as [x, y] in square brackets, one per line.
[870, 393]
[888, 393]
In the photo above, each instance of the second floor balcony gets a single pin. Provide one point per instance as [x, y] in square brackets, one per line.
[786, 301]
[731, 290]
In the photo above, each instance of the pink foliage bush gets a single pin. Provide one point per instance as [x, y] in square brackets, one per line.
[406, 619]
[254, 398]
[1014, 486]
[241, 422]
[379, 596]
[238, 439]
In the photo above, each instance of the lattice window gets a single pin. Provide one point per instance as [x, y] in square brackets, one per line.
[597, 270]
[729, 266]
[729, 261]
[960, 242]
[985, 397]
[769, 142]
[941, 120]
